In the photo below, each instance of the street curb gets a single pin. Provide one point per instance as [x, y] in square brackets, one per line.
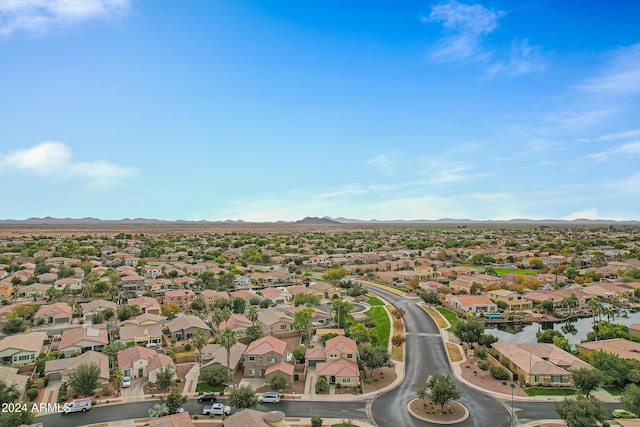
[430, 420]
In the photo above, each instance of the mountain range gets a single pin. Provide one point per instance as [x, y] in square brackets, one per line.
[309, 221]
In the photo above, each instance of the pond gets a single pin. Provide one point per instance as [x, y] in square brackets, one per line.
[526, 332]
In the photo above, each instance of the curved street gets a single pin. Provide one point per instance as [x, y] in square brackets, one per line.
[425, 355]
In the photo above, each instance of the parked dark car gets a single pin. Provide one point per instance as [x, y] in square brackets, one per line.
[207, 397]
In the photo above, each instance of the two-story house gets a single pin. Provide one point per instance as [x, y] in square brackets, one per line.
[515, 301]
[263, 353]
[341, 365]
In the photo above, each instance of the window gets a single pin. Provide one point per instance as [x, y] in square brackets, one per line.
[346, 380]
[252, 372]
[283, 327]
[272, 359]
[349, 356]
[536, 378]
[556, 378]
[252, 358]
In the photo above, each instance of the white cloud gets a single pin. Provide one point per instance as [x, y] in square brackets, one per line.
[621, 76]
[53, 160]
[523, 59]
[620, 135]
[41, 16]
[384, 162]
[628, 149]
[465, 26]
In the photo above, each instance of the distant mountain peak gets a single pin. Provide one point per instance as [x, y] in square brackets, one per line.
[314, 220]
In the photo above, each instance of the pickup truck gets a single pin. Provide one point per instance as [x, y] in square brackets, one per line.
[216, 409]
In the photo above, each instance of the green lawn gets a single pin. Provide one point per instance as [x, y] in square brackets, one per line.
[206, 388]
[449, 315]
[550, 391]
[373, 301]
[614, 391]
[383, 325]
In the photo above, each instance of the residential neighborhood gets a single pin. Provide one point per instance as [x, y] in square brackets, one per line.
[295, 317]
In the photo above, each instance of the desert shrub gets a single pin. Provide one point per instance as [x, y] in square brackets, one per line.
[187, 347]
[484, 365]
[481, 352]
[32, 393]
[316, 422]
[499, 373]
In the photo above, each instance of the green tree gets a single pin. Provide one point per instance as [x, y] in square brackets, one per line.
[174, 400]
[341, 310]
[469, 331]
[11, 394]
[128, 311]
[239, 304]
[587, 379]
[423, 391]
[316, 422]
[199, 340]
[14, 326]
[214, 375]
[335, 274]
[279, 381]
[547, 305]
[253, 315]
[614, 368]
[220, 315]
[227, 339]
[547, 336]
[431, 297]
[84, 379]
[118, 376]
[164, 378]
[581, 411]
[374, 357]
[322, 384]
[243, 397]
[536, 263]
[562, 343]
[299, 352]
[303, 322]
[361, 334]
[197, 304]
[306, 299]
[630, 398]
[443, 390]
[253, 333]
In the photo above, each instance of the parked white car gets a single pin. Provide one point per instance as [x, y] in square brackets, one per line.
[126, 382]
[269, 397]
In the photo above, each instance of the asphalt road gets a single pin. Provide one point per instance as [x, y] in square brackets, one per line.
[425, 355]
[306, 409]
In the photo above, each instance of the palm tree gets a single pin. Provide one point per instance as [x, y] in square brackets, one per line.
[220, 316]
[158, 410]
[227, 339]
[596, 308]
[199, 340]
[118, 376]
[253, 315]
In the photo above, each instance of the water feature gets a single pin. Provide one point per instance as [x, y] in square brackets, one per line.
[526, 333]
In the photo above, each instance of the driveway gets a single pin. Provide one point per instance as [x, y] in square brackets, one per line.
[136, 390]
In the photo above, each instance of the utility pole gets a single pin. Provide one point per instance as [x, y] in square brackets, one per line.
[512, 417]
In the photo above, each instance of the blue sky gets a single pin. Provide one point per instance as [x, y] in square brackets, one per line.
[277, 110]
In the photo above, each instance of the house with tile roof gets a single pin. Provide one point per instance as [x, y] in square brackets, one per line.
[341, 361]
[215, 354]
[237, 322]
[146, 304]
[182, 419]
[472, 303]
[273, 321]
[80, 340]
[97, 306]
[261, 354]
[59, 369]
[183, 327]
[253, 418]
[59, 312]
[21, 349]
[540, 364]
[142, 334]
[142, 362]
